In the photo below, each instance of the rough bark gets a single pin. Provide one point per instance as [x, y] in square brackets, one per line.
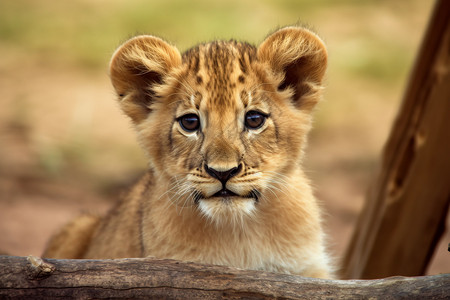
[404, 216]
[30, 278]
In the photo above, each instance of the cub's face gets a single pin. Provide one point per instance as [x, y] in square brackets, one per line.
[225, 123]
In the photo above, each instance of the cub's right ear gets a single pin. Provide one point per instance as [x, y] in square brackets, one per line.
[136, 68]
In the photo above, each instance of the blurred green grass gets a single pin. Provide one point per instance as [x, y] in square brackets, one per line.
[86, 32]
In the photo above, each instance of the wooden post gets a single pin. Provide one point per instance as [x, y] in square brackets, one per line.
[406, 208]
[147, 278]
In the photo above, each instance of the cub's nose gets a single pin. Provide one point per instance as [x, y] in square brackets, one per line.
[223, 176]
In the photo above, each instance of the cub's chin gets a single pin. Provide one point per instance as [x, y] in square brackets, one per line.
[225, 208]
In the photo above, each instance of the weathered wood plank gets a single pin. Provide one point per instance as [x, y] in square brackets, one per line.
[405, 212]
[146, 278]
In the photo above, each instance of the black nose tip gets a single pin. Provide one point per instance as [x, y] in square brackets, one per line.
[223, 176]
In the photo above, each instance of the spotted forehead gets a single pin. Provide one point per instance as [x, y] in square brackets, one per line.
[219, 69]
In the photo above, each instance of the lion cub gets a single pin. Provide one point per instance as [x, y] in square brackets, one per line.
[224, 126]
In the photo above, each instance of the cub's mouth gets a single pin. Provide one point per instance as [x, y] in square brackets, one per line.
[226, 194]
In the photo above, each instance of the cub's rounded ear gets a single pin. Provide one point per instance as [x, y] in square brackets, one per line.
[297, 57]
[136, 68]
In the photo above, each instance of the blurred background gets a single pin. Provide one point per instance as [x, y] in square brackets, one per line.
[66, 148]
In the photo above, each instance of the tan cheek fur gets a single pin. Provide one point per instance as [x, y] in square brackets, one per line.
[281, 232]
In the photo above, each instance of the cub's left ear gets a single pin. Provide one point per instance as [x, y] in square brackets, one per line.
[299, 57]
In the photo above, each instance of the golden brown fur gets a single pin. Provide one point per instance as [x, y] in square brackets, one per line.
[227, 192]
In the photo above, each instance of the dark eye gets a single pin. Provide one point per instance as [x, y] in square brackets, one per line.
[254, 119]
[189, 122]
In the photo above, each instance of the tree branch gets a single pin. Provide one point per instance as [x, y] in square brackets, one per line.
[31, 277]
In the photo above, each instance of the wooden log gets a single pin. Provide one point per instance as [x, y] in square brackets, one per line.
[32, 277]
[405, 212]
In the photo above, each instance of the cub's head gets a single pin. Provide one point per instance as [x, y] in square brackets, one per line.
[225, 123]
